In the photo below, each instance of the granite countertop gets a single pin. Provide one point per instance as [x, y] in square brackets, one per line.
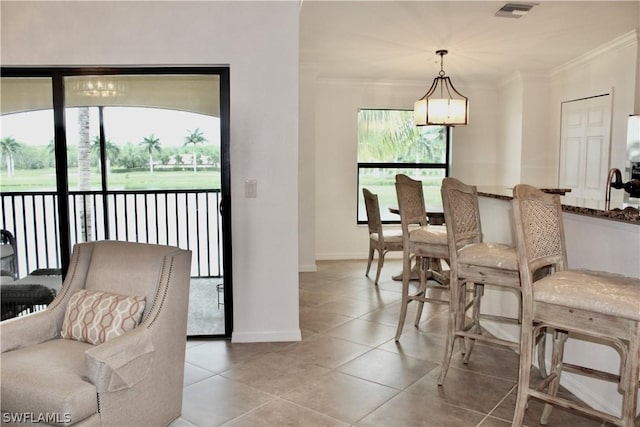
[627, 214]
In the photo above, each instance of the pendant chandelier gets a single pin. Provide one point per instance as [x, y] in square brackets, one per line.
[442, 104]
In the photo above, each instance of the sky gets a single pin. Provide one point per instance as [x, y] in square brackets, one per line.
[122, 125]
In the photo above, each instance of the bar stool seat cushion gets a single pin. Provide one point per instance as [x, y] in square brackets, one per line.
[433, 234]
[496, 255]
[389, 236]
[595, 291]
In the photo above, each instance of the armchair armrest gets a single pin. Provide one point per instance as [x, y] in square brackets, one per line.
[28, 330]
[122, 362]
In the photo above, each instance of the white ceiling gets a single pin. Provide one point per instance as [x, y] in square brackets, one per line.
[397, 40]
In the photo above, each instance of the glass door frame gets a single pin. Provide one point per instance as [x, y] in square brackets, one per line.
[58, 75]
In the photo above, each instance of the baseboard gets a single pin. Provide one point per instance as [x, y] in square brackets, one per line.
[333, 256]
[310, 268]
[344, 256]
[281, 336]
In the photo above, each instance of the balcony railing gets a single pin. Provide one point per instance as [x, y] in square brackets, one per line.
[189, 219]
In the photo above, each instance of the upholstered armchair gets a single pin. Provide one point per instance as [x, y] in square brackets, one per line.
[109, 350]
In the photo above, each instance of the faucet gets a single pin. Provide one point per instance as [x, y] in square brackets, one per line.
[617, 184]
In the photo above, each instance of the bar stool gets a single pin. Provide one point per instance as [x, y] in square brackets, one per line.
[593, 304]
[428, 243]
[474, 263]
[379, 239]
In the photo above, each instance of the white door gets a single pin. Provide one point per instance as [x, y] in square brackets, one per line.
[585, 139]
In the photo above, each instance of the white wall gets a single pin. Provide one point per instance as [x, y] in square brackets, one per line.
[306, 171]
[510, 95]
[609, 69]
[536, 154]
[336, 107]
[524, 144]
[475, 147]
[259, 42]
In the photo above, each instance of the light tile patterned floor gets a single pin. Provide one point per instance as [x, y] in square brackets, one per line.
[348, 370]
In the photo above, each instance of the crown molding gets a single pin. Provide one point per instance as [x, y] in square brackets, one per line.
[625, 40]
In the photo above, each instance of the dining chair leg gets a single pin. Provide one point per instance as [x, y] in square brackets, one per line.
[422, 287]
[406, 274]
[559, 339]
[380, 264]
[452, 325]
[371, 251]
[524, 370]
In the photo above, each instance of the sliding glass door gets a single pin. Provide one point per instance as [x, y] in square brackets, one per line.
[139, 155]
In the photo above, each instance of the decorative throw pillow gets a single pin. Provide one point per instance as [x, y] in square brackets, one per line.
[96, 317]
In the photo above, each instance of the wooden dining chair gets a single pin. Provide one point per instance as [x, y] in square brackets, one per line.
[600, 305]
[427, 243]
[380, 240]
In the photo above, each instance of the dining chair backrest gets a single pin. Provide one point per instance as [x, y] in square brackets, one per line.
[461, 213]
[373, 211]
[410, 202]
[539, 229]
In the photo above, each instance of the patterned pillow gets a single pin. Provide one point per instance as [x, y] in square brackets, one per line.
[96, 317]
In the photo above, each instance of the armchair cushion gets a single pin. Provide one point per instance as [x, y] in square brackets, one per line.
[96, 316]
[67, 392]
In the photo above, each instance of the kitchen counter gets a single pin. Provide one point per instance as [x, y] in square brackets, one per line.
[573, 205]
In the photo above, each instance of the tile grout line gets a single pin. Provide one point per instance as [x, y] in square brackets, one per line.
[498, 404]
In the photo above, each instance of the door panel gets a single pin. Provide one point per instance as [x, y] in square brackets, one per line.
[585, 146]
[151, 171]
[572, 165]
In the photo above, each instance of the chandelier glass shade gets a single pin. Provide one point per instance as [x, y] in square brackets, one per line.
[97, 87]
[442, 104]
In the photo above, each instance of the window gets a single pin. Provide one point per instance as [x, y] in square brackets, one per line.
[389, 143]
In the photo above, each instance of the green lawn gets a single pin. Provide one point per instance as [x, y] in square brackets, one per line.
[25, 180]
[384, 187]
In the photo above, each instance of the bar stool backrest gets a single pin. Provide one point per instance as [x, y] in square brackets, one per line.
[461, 212]
[539, 229]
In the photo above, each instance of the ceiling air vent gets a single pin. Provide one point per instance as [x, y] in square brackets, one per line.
[514, 10]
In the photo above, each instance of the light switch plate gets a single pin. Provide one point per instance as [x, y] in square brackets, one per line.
[251, 188]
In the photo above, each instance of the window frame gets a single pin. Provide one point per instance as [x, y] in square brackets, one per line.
[446, 166]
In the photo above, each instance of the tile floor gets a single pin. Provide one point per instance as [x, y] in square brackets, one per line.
[349, 371]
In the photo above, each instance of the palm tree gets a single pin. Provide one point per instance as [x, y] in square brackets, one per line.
[9, 147]
[151, 144]
[112, 150]
[194, 138]
[84, 171]
[387, 135]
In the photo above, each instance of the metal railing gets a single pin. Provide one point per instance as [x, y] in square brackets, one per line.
[189, 219]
